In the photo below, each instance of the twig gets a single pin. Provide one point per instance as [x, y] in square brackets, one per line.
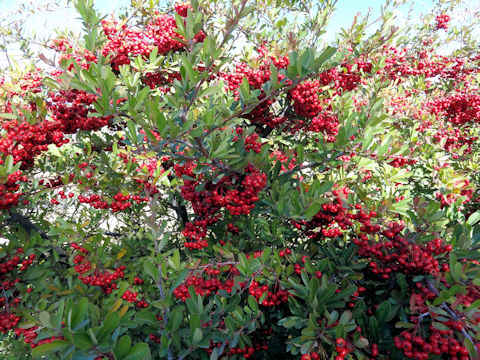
[158, 282]
[454, 316]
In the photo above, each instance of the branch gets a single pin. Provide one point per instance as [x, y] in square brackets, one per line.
[25, 222]
[158, 282]
[452, 313]
[308, 166]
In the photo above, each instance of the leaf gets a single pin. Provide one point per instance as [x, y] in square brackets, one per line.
[109, 324]
[404, 325]
[373, 328]
[292, 322]
[312, 210]
[401, 280]
[252, 302]
[345, 318]
[440, 326]
[44, 318]
[116, 305]
[383, 311]
[472, 351]
[361, 342]
[123, 311]
[142, 95]
[122, 347]
[146, 317]
[175, 319]
[474, 218]
[325, 55]
[197, 336]
[151, 270]
[446, 294]
[82, 341]
[78, 314]
[49, 348]
[179, 279]
[8, 116]
[132, 131]
[139, 351]
[243, 266]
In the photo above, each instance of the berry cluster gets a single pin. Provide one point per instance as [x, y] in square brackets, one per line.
[459, 109]
[438, 343]
[105, 279]
[82, 57]
[131, 296]
[9, 195]
[182, 8]
[245, 352]
[256, 77]
[237, 195]
[397, 254]
[30, 334]
[442, 21]
[202, 287]
[332, 219]
[69, 110]
[25, 141]
[342, 348]
[400, 161]
[306, 101]
[259, 342]
[120, 202]
[288, 162]
[8, 321]
[251, 143]
[11, 266]
[270, 298]
[125, 43]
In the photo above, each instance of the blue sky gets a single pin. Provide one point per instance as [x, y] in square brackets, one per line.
[44, 23]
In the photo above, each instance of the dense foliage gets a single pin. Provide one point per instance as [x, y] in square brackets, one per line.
[212, 181]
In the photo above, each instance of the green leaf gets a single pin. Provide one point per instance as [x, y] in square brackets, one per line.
[197, 336]
[109, 324]
[179, 279]
[472, 351]
[345, 317]
[122, 347]
[176, 318]
[142, 95]
[151, 270]
[82, 341]
[325, 55]
[292, 322]
[49, 348]
[383, 311]
[44, 318]
[404, 325]
[243, 266]
[401, 280]
[8, 116]
[78, 314]
[252, 302]
[474, 218]
[139, 351]
[440, 326]
[146, 317]
[312, 210]
[132, 131]
[373, 329]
